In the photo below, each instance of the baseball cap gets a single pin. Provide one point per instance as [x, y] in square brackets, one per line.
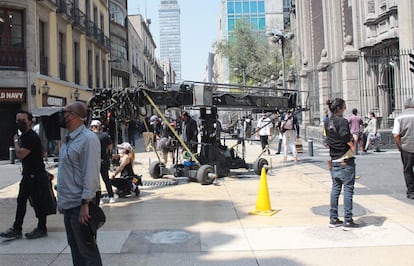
[152, 119]
[96, 123]
[125, 145]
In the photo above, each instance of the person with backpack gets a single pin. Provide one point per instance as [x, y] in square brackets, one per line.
[290, 129]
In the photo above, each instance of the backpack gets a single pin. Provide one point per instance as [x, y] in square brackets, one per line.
[288, 124]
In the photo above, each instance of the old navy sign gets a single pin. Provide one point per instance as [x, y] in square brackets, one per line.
[13, 95]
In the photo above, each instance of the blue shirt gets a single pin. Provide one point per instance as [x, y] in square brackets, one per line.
[78, 172]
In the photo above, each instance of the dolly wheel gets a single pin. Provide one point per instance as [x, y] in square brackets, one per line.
[258, 165]
[205, 175]
[155, 169]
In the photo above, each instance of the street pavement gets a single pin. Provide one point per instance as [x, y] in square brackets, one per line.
[175, 222]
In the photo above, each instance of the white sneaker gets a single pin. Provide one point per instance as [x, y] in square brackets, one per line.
[111, 200]
[101, 202]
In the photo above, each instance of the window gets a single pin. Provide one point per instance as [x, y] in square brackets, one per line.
[116, 13]
[11, 28]
[76, 65]
[62, 56]
[12, 52]
[253, 7]
[246, 6]
[119, 48]
[261, 6]
[43, 60]
[238, 7]
[230, 7]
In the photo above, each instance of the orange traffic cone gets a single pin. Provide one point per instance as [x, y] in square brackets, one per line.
[263, 201]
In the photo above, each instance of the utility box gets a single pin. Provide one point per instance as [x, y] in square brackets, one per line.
[203, 96]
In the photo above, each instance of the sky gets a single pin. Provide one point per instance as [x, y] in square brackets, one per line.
[199, 25]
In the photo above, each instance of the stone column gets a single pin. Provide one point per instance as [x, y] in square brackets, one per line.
[304, 93]
[350, 81]
[324, 83]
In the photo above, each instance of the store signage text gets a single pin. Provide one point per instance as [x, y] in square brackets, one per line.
[13, 95]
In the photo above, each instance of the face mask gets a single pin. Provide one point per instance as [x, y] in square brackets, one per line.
[21, 125]
[61, 120]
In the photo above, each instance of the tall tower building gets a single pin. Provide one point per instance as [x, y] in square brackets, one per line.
[170, 34]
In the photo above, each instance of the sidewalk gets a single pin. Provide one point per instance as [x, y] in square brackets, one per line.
[191, 224]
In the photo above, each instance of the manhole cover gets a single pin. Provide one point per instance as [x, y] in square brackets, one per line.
[161, 183]
[168, 237]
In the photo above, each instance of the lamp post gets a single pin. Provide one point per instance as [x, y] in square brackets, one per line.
[45, 89]
[76, 94]
[279, 37]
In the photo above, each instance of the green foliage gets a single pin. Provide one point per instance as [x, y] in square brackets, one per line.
[249, 52]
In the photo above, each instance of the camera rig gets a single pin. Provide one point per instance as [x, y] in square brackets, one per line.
[213, 159]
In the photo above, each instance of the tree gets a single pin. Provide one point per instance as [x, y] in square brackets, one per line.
[250, 55]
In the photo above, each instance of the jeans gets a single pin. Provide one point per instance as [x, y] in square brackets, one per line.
[408, 164]
[81, 239]
[342, 175]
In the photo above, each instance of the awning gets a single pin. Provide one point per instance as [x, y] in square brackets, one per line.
[45, 111]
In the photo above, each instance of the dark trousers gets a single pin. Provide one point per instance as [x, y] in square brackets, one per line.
[123, 184]
[264, 141]
[81, 239]
[25, 188]
[105, 176]
[408, 164]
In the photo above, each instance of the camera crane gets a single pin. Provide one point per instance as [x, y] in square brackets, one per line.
[214, 159]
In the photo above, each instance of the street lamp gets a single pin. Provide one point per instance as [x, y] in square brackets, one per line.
[279, 37]
[76, 94]
[45, 89]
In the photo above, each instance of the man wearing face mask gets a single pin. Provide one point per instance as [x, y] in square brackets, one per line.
[35, 183]
[78, 182]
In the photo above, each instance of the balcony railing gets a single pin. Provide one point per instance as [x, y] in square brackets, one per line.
[44, 65]
[12, 58]
[65, 7]
[97, 34]
[79, 18]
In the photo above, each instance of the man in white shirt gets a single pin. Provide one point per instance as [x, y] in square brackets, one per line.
[264, 129]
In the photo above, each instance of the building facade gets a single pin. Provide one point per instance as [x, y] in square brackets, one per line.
[147, 70]
[52, 52]
[119, 64]
[356, 50]
[170, 34]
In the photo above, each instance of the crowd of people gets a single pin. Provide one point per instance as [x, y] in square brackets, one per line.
[88, 152]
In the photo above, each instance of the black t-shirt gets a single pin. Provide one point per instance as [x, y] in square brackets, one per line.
[338, 135]
[105, 140]
[127, 171]
[33, 162]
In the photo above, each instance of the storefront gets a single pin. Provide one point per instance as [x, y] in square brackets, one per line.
[11, 100]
